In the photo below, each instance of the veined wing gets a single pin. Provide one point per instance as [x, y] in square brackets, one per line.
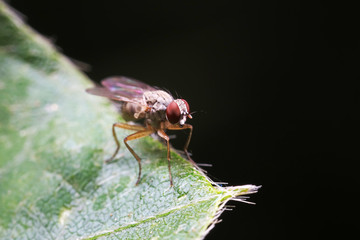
[104, 92]
[126, 87]
[122, 89]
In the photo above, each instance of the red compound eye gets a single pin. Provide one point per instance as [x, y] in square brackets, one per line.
[173, 113]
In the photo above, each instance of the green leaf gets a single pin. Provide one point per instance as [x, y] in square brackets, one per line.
[54, 138]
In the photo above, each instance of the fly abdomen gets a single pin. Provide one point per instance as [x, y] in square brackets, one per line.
[132, 111]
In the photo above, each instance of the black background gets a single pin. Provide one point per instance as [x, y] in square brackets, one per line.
[272, 84]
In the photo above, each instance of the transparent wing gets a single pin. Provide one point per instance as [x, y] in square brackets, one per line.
[122, 89]
[104, 92]
[126, 87]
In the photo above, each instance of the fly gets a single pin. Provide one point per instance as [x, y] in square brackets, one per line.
[157, 108]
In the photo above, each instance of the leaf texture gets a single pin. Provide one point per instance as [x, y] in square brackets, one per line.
[54, 138]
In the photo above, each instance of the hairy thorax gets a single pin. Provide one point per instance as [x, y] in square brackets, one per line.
[153, 108]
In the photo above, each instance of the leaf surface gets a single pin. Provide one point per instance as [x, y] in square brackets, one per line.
[54, 138]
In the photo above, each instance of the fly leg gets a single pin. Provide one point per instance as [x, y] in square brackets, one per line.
[137, 135]
[163, 135]
[124, 126]
[185, 126]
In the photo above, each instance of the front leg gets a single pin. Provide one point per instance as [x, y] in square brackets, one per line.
[185, 126]
[162, 134]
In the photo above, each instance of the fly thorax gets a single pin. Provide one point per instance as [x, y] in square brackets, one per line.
[157, 101]
[159, 97]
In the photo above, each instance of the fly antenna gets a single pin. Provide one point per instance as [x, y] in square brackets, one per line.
[193, 112]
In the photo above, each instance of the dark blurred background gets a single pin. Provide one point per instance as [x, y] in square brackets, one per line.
[272, 84]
